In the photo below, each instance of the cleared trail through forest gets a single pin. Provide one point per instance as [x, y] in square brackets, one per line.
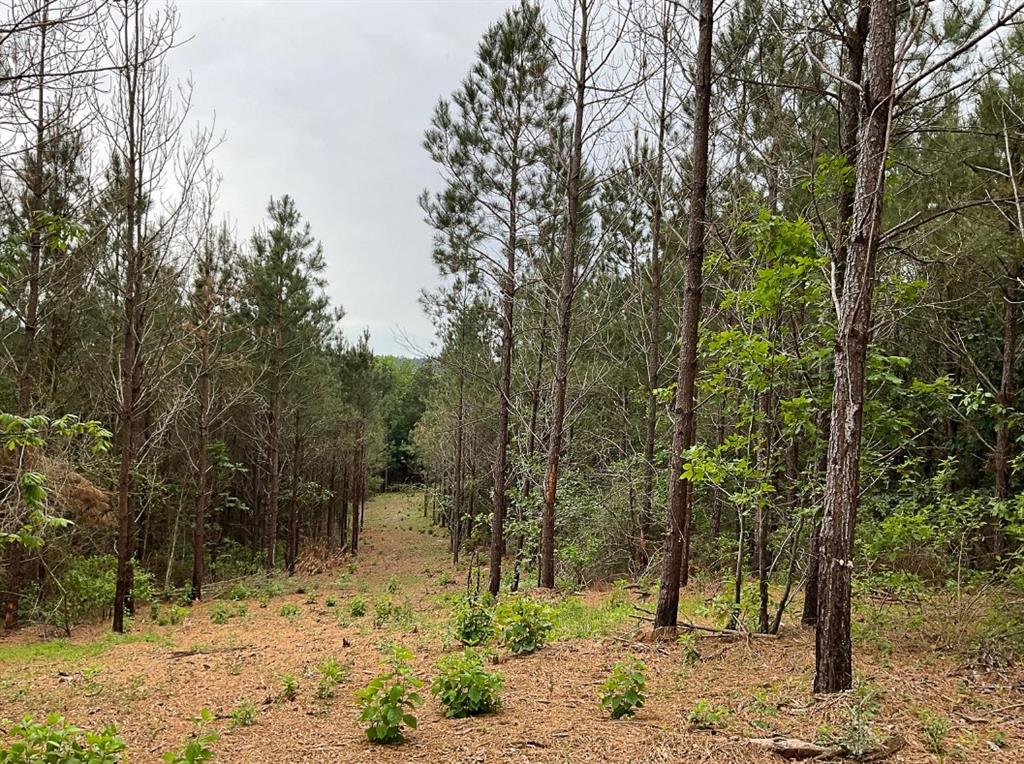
[227, 655]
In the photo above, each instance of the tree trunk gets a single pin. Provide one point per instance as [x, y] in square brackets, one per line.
[683, 427]
[26, 372]
[202, 467]
[508, 297]
[1003, 456]
[274, 453]
[833, 651]
[292, 548]
[854, 40]
[131, 362]
[653, 355]
[564, 312]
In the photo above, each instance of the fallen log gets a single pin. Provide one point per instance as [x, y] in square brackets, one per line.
[796, 749]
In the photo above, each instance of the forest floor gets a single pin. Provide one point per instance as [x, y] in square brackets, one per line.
[153, 682]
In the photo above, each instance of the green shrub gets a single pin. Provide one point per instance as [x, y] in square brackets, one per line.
[332, 674]
[386, 612]
[57, 741]
[934, 729]
[690, 644]
[357, 607]
[244, 714]
[391, 587]
[197, 749]
[523, 624]
[330, 601]
[175, 615]
[289, 687]
[859, 734]
[625, 691]
[704, 716]
[464, 687]
[387, 701]
[472, 621]
[220, 613]
[239, 592]
[87, 587]
[288, 611]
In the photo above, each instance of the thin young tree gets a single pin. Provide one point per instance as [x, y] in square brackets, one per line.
[684, 414]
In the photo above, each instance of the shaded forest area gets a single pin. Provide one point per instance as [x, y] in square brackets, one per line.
[729, 333]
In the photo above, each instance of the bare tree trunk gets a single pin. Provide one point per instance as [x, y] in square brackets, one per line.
[26, 373]
[994, 538]
[356, 490]
[508, 301]
[854, 40]
[131, 362]
[653, 355]
[274, 454]
[292, 548]
[202, 467]
[343, 494]
[564, 311]
[833, 653]
[667, 612]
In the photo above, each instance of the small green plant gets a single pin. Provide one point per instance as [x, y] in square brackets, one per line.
[311, 598]
[446, 578]
[332, 674]
[288, 611]
[357, 607]
[289, 687]
[154, 611]
[859, 735]
[196, 749]
[239, 592]
[241, 609]
[243, 714]
[382, 612]
[175, 615]
[387, 702]
[464, 687]
[934, 729]
[704, 716]
[391, 587]
[523, 624]
[330, 601]
[472, 621]
[220, 613]
[690, 644]
[55, 740]
[625, 691]
[263, 599]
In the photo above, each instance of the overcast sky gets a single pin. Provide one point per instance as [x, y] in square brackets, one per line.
[328, 101]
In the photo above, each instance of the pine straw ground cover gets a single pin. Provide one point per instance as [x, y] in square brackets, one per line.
[153, 682]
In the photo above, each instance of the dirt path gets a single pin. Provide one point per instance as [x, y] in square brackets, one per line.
[153, 687]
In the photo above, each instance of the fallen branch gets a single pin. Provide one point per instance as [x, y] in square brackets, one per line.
[795, 748]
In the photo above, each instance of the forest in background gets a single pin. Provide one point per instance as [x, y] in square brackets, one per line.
[735, 289]
[729, 289]
[180, 405]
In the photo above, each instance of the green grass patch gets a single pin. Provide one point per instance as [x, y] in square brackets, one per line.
[65, 650]
[576, 619]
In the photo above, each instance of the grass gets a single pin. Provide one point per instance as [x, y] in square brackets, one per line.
[576, 619]
[70, 652]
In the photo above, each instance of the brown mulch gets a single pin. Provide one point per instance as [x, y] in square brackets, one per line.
[549, 712]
